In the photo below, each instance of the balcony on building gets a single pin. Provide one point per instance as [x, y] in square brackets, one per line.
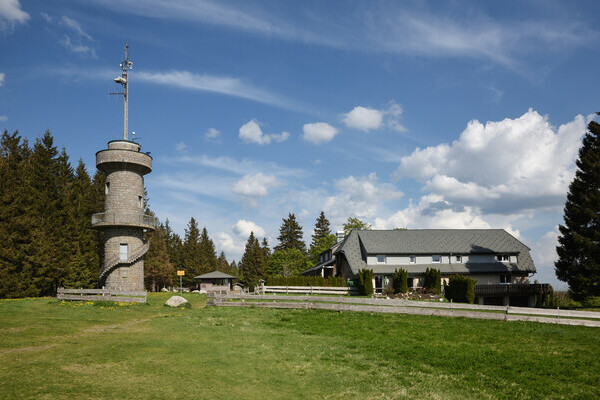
[137, 220]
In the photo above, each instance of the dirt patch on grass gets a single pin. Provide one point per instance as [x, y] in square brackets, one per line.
[26, 349]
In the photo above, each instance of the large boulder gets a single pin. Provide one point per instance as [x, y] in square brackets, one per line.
[177, 301]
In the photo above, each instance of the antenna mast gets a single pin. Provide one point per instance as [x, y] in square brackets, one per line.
[123, 80]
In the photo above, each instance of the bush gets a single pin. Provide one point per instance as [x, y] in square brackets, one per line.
[546, 298]
[365, 281]
[592, 301]
[433, 281]
[388, 290]
[300, 280]
[399, 279]
[460, 289]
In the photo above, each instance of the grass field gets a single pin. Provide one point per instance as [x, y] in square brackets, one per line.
[54, 350]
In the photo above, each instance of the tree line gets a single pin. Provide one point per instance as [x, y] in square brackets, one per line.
[46, 238]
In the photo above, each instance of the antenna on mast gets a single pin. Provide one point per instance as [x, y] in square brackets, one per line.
[123, 80]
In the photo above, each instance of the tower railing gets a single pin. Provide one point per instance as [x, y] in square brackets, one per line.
[124, 218]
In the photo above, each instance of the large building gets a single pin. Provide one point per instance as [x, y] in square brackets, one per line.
[492, 257]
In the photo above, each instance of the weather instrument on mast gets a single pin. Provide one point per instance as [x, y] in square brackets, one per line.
[123, 80]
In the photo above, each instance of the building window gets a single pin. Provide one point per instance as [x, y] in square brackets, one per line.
[458, 259]
[140, 201]
[381, 260]
[503, 257]
[123, 252]
[436, 259]
[107, 188]
[413, 259]
[505, 279]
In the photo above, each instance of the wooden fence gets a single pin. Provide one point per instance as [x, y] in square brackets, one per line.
[401, 306]
[127, 296]
[340, 290]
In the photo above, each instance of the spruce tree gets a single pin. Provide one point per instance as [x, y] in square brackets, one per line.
[192, 255]
[322, 230]
[290, 235]
[579, 241]
[209, 256]
[253, 263]
[158, 269]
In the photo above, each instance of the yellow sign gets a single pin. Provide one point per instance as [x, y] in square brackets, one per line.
[180, 273]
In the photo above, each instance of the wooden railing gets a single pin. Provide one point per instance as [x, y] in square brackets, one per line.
[511, 289]
[401, 306]
[127, 296]
[341, 290]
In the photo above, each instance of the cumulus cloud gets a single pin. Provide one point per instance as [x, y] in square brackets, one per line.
[318, 132]
[363, 119]
[360, 196]
[501, 167]
[367, 119]
[243, 228]
[11, 13]
[251, 132]
[2, 76]
[254, 186]
[232, 247]
[212, 134]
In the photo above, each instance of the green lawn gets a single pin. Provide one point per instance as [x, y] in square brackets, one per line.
[51, 350]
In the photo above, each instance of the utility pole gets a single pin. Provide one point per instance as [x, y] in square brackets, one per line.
[123, 80]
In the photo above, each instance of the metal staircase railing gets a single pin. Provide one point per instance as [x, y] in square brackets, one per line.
[111, 263]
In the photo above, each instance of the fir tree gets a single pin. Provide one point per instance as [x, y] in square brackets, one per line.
[579, 243]
[209, 256]
[290, 235]
[158, 269]
[252, 265]
[192, 255]
[322, 230]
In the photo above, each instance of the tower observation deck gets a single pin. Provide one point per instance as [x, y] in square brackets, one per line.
[123, 221]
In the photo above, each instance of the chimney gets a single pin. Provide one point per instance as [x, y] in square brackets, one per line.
[340, 236]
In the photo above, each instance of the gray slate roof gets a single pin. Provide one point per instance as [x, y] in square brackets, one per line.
[215, 275]
[361, 243]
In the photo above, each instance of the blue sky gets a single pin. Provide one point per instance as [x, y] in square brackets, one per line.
[404, 114]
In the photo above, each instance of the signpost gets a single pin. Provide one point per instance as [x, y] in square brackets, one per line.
[180, 274]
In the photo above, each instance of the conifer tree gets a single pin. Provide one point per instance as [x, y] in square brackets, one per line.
[192, 256]
[290, 235]
[322, 229]
[579, 241]
[252, 265]
[158, 269]
[222, 264]
[209, 256]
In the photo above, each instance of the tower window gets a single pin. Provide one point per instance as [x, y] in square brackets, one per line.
[140, 201]
[123, 252]
[107, 188]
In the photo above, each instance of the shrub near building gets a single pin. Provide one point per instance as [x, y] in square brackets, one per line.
[433, 281]
[400, 281]
[365, 281]
[460, 289]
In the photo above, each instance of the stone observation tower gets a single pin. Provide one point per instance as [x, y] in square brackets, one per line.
[123, 220]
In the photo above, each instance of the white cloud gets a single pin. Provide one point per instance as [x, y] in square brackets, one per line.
[75, 26]
[3, 118]
[318, 132]
[243, 228]
[363, 119]
[232, 247]
[2, 76]
[212, 134]
[251, 132]
[78, 48]
[366, 119]
[501, 167]
[218, 84]
[11, 14]
[386, 28]
[181, 147]
[254, 186]
[361, 196]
